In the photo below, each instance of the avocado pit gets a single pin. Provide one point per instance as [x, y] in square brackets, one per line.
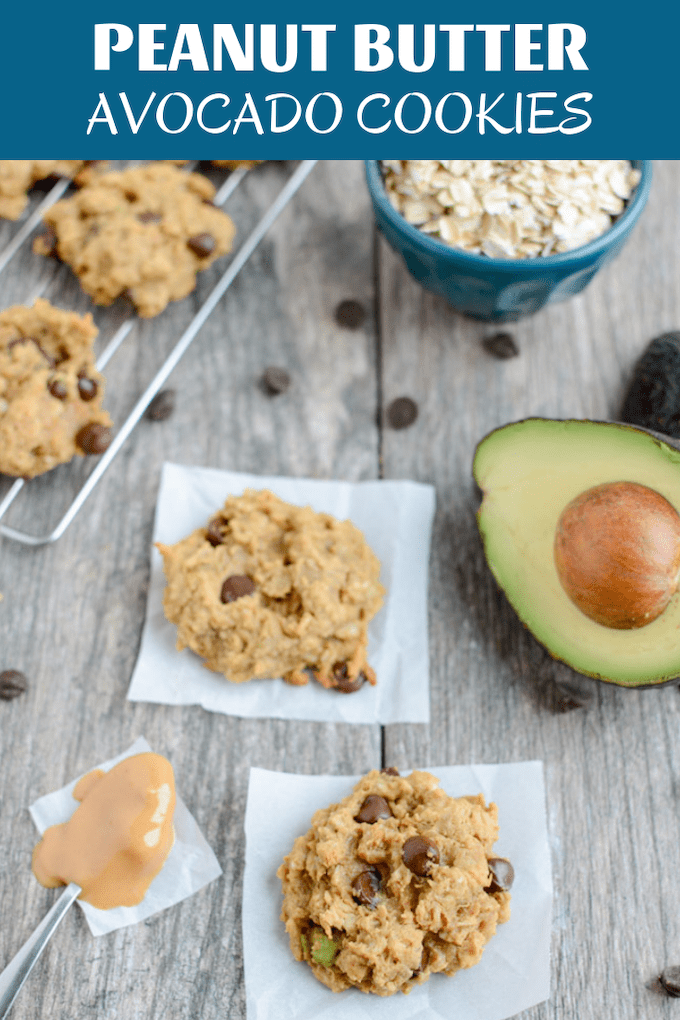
[617, 553]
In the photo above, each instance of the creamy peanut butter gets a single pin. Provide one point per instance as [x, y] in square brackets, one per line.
[117, 840]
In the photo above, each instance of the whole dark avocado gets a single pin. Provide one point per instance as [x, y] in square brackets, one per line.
[653, 397]
[530, 473]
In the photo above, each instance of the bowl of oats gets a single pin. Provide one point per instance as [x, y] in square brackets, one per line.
[499, 239]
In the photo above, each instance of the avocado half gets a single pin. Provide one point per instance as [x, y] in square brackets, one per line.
[528, 472]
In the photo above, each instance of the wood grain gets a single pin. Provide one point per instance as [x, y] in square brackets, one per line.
[72, 613]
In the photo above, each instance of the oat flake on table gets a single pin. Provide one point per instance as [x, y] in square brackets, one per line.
[508, 208]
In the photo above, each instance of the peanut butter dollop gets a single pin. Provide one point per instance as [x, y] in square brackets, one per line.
[117, 840]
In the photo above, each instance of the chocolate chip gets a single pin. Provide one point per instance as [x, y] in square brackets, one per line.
[47, 242]
[350, 314]
[502, 874]
[31, 340]
[87, 388]
[390, 771]
[94, 438]
[501, 345]
[162, 406]
[366, 887]
[236, 586]
[149, 217]
[373, 808]
[58, 389]
[343, 682]
[669, 979]
[12, 684]
[419, 854]
[401, 413]
[274, 381]
[202, 245]
[215, 532]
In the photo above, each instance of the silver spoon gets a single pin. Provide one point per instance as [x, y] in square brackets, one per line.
[16, 972]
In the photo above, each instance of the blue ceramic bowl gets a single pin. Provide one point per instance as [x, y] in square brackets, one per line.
[501, 290]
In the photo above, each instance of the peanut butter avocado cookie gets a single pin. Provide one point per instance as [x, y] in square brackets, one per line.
[269, 590]
[145, 232]
[396, 882]
[50, 390]
[17, 176]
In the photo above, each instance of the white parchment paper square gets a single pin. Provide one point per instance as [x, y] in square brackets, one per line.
[396, 519]
[514, 972]
[190, 865]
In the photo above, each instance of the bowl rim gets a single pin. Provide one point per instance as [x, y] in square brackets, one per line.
[624, 222]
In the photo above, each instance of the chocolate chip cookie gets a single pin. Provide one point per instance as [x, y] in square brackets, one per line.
[395, 883]
[17, 176]
[268, 589]
[145, 232]
[50, 391]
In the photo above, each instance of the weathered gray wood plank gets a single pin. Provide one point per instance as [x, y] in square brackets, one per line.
[611, 768]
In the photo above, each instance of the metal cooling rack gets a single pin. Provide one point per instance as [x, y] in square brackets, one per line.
[240, 258]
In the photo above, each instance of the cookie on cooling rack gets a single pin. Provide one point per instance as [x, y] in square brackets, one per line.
[17, 176]
[145, 232]
[395, 883]
[50, 391]
[269, 590]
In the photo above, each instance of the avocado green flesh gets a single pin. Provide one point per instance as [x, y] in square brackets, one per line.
[528, 472]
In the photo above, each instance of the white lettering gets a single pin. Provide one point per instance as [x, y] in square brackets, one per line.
[254, 118]
[557, 49]
[370, 39]
[201, 107]
[457, 35]
[195, 53]
[439, 113]
[107, 117]
[534, 113]
[309, 113]
[586, 97]
[407, 48]
[103, 46]
[241, 57]
[427, 113]
[362, 106]
[160, 113]
[135, 124]
[524, 46]
[319, 45]
[148, 46]
[484, 112]
[268, 36]
[277, 128]
[492, 45]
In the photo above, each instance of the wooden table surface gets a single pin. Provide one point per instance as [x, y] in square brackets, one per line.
[72, 612]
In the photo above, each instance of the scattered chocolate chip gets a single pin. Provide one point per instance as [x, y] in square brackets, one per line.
[669, 979]
[419, 854]
[162, 406]
[58, 389]
[343, 682]
[94, 438]
[31, 340]
[87, 388]
[236, 586]
[573, 692]
[274, 381]
[653, 397]
[390, 771]
[373, 808]
[350, 314]
[215, 532]
[401, 413]
[366, 887]
[501, 345]
[502, 874]
[149, 217]
[12, 684]
[202, 245]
